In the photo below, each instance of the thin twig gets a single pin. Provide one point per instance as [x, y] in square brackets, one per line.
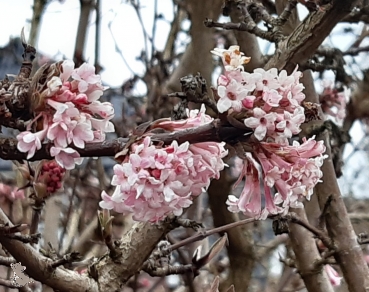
[205, 234]
[37, 207]
[119, 51]
[292, 217]
[66, 259]
[242, 26]
[145, 34]
[168, 270]
[324, 212]
[153, 32]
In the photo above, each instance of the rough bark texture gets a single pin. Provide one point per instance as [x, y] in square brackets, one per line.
[308, 36]
[136, 246]
[349, 255]
[38, 266]
[307, 254]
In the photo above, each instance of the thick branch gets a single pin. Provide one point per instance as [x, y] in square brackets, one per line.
[306, 252]
[136, 247]
[241, 251]
[308, 36]
[37, 266]
[348, 255]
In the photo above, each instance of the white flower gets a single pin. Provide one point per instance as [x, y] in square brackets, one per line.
[261, 122]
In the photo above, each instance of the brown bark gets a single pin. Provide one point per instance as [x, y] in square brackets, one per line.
[86, 7]
[38, 267]
[136, 246]
[308, 36]
[349, 255]
[214, 131]
[38, 9]
[197, 57]
[248, 43]
[240, 250]
[307, 256]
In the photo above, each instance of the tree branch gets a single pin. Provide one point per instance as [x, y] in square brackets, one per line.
[307, 37]
[214, 131]
[38, 266]
[306, 252]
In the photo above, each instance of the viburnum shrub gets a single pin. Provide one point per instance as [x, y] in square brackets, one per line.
[271, 102]
[154, 180]
[67, 111]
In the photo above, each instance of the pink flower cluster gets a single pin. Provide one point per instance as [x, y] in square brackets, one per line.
[271, 102]
[333, 103]
[70, 113]
[154, 181]
[292, 171]
[333, 276]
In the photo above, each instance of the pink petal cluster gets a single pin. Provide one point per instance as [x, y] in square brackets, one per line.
[10, 192]
[271, 102]
[333, 102]
[333, 275]
[155, 181]
[292, 171]
[71, 115]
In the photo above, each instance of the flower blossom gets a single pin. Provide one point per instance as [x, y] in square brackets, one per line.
[153, 181]
[270, 100]
[333, 102]
[30, 142]
[232, 58]
[71, 115]
[333, 276]
[276, 175]
[292, 171]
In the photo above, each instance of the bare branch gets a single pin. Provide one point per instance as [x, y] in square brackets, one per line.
[214, 131]
[37, 266]
[167, 270]
[6, 261]
[307, 37]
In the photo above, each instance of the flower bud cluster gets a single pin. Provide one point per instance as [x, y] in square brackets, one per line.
[51, 174]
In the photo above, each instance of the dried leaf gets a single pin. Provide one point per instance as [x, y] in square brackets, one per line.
[199, 262]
